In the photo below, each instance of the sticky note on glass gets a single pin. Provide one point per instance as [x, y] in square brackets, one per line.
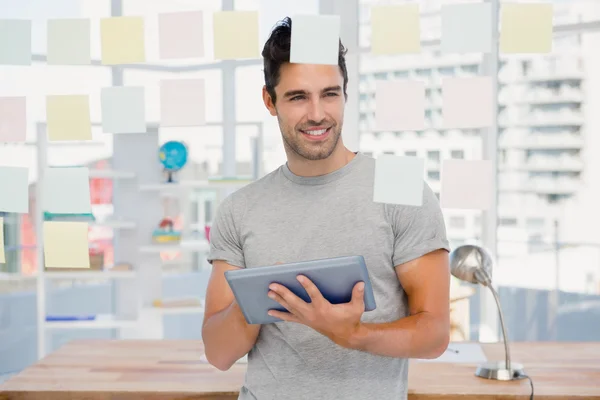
[399, 105]
[395, 29]
[467, 102]
[68, 41]
[182, 102]
[466, 28]
[15, 42]
[466, 184]
[122, 40]
[13, 117]
[123, 109]
[66, 244]
[181, 35]
[2, 255]
[315, 39]
[273, 11]
[68, 117]
[14, 183]
[526, 28]
[399, 180]
[67, 190]
[235, 35]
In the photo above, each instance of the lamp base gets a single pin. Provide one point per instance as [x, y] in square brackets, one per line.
[498, 371]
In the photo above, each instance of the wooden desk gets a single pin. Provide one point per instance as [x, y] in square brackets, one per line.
[160, 370]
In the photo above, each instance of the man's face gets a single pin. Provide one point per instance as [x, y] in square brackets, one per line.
[310, 108]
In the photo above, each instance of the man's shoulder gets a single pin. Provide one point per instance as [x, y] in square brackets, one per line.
[254, 189]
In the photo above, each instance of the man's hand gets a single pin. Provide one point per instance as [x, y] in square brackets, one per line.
[339, 322]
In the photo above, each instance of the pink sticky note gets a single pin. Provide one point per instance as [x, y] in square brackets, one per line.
[467, 102]
[466, 184]
[181, 34]
[13, 117]
[182, 102]
[399, 105]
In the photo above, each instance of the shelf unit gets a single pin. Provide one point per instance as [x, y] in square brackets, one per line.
[137, 193]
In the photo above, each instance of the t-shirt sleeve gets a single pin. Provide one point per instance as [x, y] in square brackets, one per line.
[225, 241]
[418, 230]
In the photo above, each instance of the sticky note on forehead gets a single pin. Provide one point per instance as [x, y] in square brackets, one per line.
[66, 244]
[395, 29]
[399, 180]
[315, 39]
[273, 11]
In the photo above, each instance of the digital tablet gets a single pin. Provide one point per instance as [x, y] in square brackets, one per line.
[335, 278]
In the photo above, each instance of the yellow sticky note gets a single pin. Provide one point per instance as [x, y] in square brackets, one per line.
[68, 117]
[122, 40]
[2, 255]
[235, 35]
[395, 29]
[66, 244]
[526, 28]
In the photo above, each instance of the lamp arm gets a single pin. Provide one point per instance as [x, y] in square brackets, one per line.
[506, 346]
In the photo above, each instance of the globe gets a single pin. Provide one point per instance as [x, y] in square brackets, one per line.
[173, 156]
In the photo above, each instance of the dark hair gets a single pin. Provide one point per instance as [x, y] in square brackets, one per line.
[277, 52]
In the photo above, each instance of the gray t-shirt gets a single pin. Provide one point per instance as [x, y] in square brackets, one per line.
[288, 218]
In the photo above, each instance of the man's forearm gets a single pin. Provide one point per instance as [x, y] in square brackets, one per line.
[418, 336]
[227, 337]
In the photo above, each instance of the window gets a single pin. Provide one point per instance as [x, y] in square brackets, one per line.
[508, 221]
[433, 175]
[433, 155]
[458, 154]
[457, 222]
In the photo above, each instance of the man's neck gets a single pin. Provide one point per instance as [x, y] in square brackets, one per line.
[337, 160]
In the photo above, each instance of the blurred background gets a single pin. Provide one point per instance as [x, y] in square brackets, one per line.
[548, 169]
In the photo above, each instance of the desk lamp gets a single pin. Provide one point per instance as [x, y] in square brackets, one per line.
[474, 264]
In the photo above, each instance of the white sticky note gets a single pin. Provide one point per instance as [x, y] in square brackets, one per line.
[181, 35]
[182, 102]
[526, 28]
[399, 105]
[67, 190]
[467, 102]
[315, 39]
[395, 29]
[13, 119]
[123, 109]
[14, 183]
[122, 40]
[466, 28]
[466, 184]
[399, 180]
[66, 244]
[68, 118]
[68, 41]
[235, 35]
[2, 255]
[274, 11]
[15, 42]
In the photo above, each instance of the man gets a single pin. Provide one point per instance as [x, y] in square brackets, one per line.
[320, 205]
